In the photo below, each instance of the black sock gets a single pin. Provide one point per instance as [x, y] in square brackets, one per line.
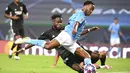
[18, 47]
[103, 59]
[13, 46]
[81, 71]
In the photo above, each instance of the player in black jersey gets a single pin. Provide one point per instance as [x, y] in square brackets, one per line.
[15, 11]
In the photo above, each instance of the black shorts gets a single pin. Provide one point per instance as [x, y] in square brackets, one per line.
[69, 61]
[18, 31]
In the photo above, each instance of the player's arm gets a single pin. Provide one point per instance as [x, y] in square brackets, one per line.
[110, 29]
[122, 36]
[75, 27]
[78, 20]
[89, 30]
[56, 60]
[120, 33]
[7, 14]
[25, 11]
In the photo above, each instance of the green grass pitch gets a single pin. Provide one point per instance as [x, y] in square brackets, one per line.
[41, 64]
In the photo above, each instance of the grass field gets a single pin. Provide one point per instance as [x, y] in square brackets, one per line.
[41, 64]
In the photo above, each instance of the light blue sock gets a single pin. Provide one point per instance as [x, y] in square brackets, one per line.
[119, 50]
[37, 42]
[87, 61]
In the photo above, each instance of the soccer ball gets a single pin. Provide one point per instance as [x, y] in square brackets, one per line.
[89, 69]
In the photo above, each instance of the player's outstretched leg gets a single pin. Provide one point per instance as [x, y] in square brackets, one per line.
[22, 40]
[30, 41]
[88, 66]
[47, 45]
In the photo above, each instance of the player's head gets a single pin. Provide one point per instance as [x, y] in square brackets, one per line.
[16, 1]
[57, 20]
[115, 20]
[88, 7]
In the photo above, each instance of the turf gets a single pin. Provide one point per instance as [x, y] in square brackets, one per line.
[41, 64]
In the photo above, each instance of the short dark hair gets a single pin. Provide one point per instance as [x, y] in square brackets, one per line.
[88, 2]
[54, 16]
[115, 18]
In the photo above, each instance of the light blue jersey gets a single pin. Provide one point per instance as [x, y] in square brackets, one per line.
[79, 16]
[115, 28]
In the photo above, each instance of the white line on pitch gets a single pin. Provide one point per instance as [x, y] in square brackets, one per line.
[119, 72]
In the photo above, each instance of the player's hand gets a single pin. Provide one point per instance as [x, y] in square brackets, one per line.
[74, 31]
[53, 66]
[15, 17]
[95, 28]
[112, 31]
[26, 17]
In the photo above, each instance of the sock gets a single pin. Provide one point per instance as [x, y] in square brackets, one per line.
[119, 50]
[13, 46]
[37, 42]
[17, 54]
[87, 61]
[102, 67]
[103, 59]
[19, 47]
[10, 52]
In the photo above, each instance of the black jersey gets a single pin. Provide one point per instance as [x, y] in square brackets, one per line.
[17, 10]
[50, 34]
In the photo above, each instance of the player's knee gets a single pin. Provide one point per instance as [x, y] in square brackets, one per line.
[82, 53]
[47, 46]
[17, 37]
[103, 54]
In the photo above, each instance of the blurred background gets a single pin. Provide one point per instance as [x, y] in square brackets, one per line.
[40, 12]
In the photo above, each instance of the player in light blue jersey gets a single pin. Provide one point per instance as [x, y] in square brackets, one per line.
[77, 17]
[68, 37]
[115, 34]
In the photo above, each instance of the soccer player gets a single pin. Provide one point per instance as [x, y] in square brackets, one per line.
[68, 37]
[114, 30]
[68, 58]
[15, 11]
